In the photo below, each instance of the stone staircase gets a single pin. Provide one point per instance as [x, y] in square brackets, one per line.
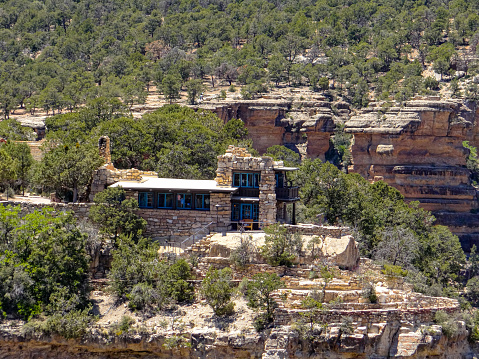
[199, 248]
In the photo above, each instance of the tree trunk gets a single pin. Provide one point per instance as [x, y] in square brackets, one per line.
[75, 193]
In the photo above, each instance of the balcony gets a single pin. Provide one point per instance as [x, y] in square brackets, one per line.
[248, 192]
[287, 194]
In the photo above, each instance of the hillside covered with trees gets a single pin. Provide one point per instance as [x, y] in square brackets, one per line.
[56, 55]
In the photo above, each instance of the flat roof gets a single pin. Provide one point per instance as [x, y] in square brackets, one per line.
[282, 168]
[174, 184]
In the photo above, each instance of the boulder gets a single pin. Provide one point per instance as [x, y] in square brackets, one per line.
[219, 250]
[342, 252]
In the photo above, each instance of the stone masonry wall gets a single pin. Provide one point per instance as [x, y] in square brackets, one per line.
[239, 159]
[80, 210]
[107, 175]
[179, 224]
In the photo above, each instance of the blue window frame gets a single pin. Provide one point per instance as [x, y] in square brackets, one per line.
[145, 199]
[240, 211]
[235, 211]
[202, 202]
[165, 200]
[250, 180]
[184, 201]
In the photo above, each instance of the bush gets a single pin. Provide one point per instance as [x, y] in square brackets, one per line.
[281, 247]
[138, 275]
[123, 326]
[116, 215]
[261, 322]
[217, 289]
[242, 255]
[177, 276]
[147, 299]
[472, 290]
[176, 342]
[259, 292]
[369, 292]
[395, 271]
[72, 325]
[448, 324]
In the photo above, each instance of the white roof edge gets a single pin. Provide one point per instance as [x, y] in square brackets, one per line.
[174, 184]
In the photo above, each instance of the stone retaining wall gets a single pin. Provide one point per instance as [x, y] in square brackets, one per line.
[368, 316]
[80, 210]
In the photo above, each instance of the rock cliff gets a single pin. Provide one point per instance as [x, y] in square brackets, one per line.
[302, 125]
[390, 340]
[417, 148]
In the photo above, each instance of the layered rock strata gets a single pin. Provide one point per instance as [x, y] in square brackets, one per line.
[418, 149]
[304, 126]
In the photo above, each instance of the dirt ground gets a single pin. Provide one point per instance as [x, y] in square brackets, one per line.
[184, 317]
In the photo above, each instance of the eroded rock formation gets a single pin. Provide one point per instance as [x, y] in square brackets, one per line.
[418, 149]
[304, 125]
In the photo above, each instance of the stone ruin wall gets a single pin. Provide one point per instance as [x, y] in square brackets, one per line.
[370, 316]
[107, 174]
[80, 210]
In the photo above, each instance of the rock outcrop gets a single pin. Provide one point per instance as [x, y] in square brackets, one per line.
[304, 126]
[342, 251]
[418, 149]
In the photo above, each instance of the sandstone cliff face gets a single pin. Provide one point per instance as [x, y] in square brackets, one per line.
[391, 340]
[304, 126]
[418, 150]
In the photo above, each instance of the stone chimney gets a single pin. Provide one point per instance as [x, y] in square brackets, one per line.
[104, 149]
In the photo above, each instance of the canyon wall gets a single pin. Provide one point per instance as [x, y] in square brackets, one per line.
[418, 149]
[304, 126]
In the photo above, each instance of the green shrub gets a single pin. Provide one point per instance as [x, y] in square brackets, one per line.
[242, 255]
[369, 292]
[72, 325]
[123, 326]
[448, 324]
[217, 289]
[281, 247]
[176, 342]
[393, 270]
[145, 298]
[259, 293]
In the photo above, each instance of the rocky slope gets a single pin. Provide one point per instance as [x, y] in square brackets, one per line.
[400, 325]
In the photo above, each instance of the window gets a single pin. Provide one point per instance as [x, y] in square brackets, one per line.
[250, 180]
[235, 212]
[256, 180]
[279, 180]
[165, 200]
[145, 199]
[236, 179]
[202, 201]
[183, 201]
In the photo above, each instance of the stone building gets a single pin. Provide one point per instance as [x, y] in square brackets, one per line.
[248, 191]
